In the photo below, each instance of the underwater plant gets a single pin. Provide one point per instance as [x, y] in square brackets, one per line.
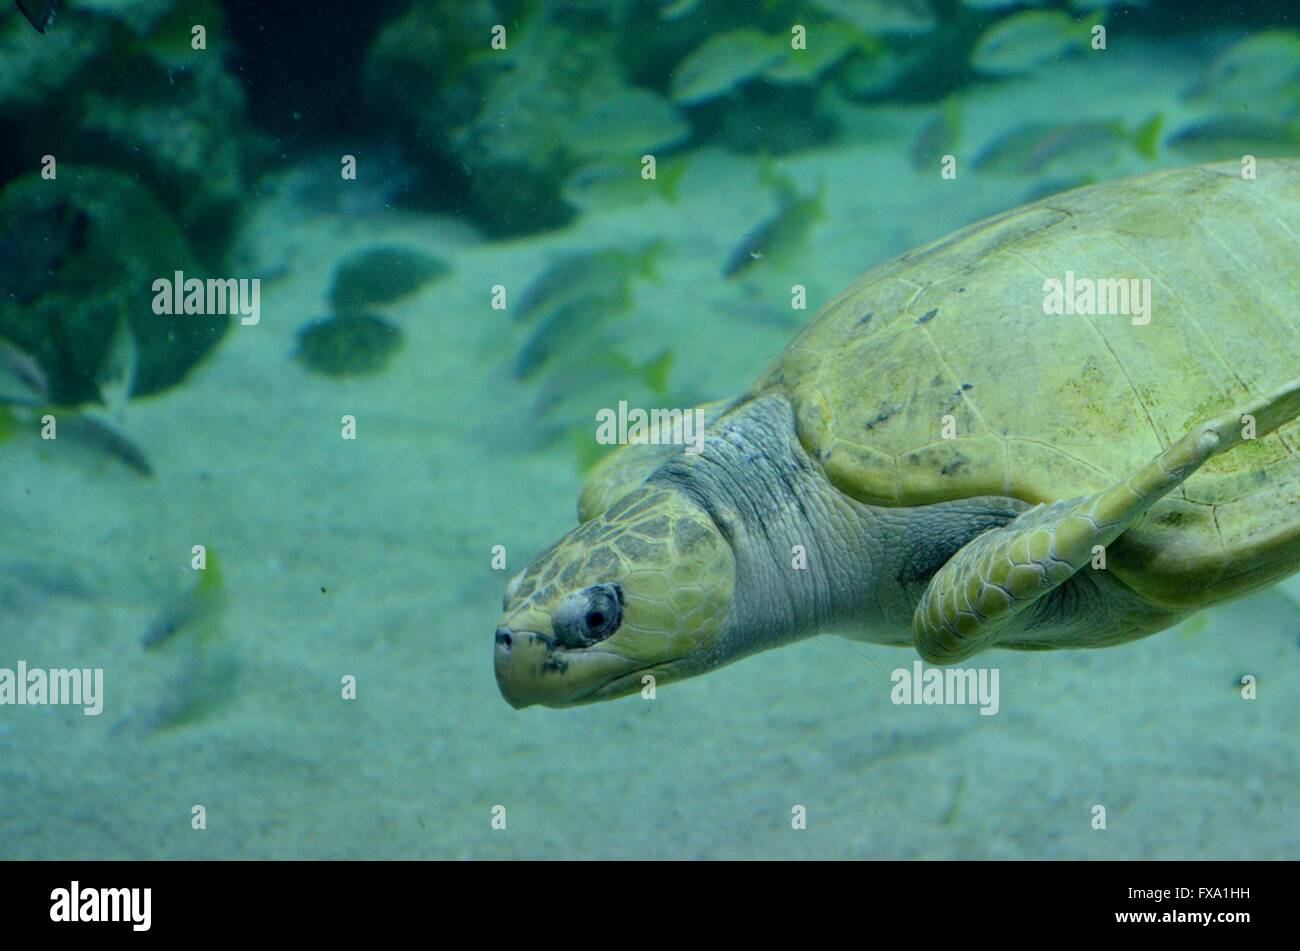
[78, 258]
[382, 275]
[352, 343]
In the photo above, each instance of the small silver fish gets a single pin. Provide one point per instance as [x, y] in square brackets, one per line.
[96, 434]
[573, 391]
[1036, 148]
[605, 273]
[939, 136]
[617, 183]
[723, 62]
[116, 375]
[1028, 40]
[776, 236]
[561, 328]
[880, 17]
[631, 123]
[1225, 137]
[202, 603]
[1260, 72]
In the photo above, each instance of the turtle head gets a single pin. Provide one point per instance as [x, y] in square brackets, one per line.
[640, 590]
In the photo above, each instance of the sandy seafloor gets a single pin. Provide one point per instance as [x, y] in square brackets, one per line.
[397, 527]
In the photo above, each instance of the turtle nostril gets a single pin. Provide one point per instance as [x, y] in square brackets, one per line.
[503, 638]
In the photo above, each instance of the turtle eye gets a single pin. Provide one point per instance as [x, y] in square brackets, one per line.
[589, 615]
[604, 610]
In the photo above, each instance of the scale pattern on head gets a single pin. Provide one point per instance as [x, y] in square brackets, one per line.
[673, 567]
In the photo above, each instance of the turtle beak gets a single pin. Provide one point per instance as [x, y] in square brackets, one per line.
[533, 668]
[512, 658]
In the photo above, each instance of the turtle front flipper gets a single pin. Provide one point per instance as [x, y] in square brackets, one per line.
[627, 467]
[977, 597]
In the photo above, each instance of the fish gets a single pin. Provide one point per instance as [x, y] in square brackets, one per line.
[34, 248]
[877, 70]
[575, 389]
[629, 123]
[574, 320]
[1021, 43]
[778, 235]
[617, 183]
[88, 430]
[22, 381]
[605, 273]
[189, 610]
[989, 5]
[1261, 72]
[385, 179]
[939, 136]
[41, 579]
[40, 13]
[188, 633]
[675, 9]
[1227, 137]
[23, 384]
[115, 378]
[911, 17]
[723, 62]
[828, 43]
[1037, 148]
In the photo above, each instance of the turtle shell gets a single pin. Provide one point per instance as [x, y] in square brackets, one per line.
[941, 375]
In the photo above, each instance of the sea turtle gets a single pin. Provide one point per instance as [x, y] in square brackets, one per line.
[937, 461]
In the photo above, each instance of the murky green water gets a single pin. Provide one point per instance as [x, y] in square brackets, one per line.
[276, 519]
